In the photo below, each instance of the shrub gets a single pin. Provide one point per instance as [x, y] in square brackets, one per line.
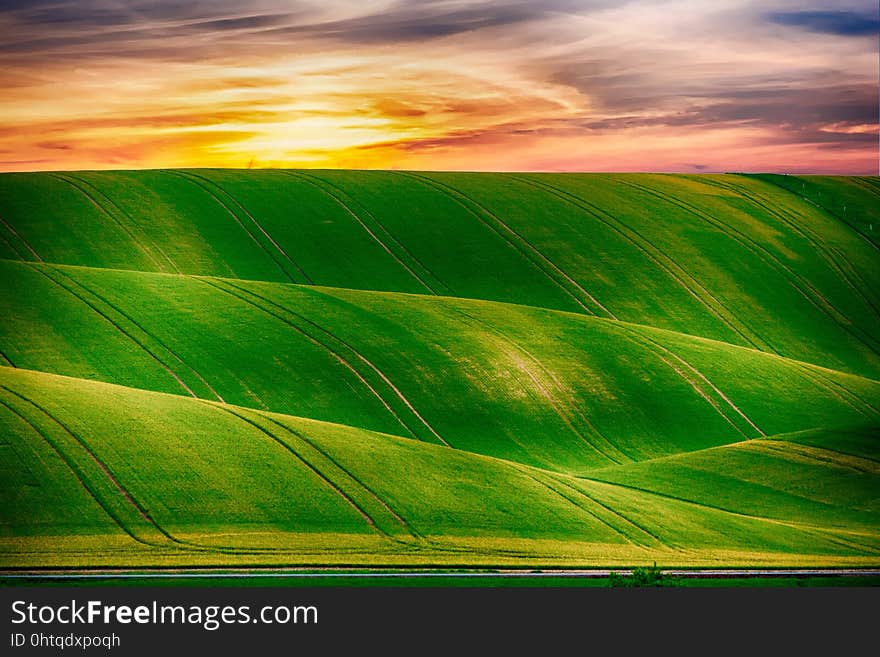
[641, 577]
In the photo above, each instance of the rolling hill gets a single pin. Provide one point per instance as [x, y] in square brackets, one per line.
[350, 367]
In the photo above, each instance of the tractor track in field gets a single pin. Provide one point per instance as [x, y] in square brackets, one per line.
[663, 261]
[319, 184]
[559, 278]
[814, 454]
[299, 457]
[78, 186]
[837, 391]
[141, 510]
[337, 356]
[121, 330]
[82, 477]
[839, 263]
[847, 543]
[625, 519]
[687, 379]
[826, 253]
[830, 255]
[21, 239]
[795, 280]
[620, 515]
[847, 540]
[357, 354]
[874, 462]
[626, 537]
[15, 252]
[549, 397]
[421, 541]
[869, 183]
[6, 358]
[76, 472]
[125, 492]
[307, 280]
[304, 437]
[203, 187]
[654, 346]
[791, 525]
[854, 273]
[147, 333]
[827, 211]
[831, 213]
[409, 254]
[129, 217]
[733, 406]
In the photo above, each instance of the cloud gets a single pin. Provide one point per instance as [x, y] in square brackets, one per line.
[408, 21]
[819, 102]
[408, 78]
[176, 29]
[141, 14]
[841, 23]
[138, 29]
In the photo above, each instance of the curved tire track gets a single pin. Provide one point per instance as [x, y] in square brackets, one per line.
[827, 211]
[119, 328]
[837, 265]
[81, 476]
[130, 219]
[629, 539]
[369, 491]
[795, 280]
[415, 261]
[262, 247]
[664, 262]
[125, 229]
[654, 346]
[11, 229]
[300, 271]
[354, 351]
[618, 456]
[77, 474]
[335, 355]
[299, 457]
[792, 525]
[147, 333]
[311, 180]
[517, 242]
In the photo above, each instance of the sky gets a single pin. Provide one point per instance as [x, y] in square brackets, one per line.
[539, 85]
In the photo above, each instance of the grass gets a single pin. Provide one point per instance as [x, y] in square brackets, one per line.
[195, 481]
[732, 258]
[210, 367]
[317, 580]
[531, 385]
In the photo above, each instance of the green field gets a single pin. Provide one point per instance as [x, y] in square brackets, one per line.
[330, 368]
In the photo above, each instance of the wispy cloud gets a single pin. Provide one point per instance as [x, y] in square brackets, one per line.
[843, 23]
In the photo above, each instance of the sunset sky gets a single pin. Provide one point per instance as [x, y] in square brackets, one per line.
[551, 85]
